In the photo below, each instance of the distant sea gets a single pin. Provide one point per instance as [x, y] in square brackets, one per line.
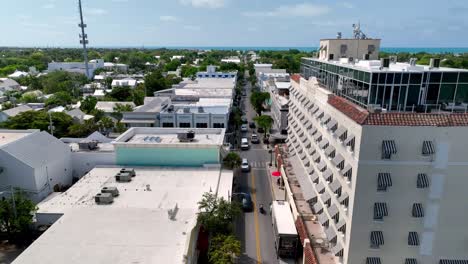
[308, 49]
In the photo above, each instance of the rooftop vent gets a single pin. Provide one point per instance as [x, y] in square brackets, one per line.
[384, 63]
[186, 110]
[112, 190]
[123, 177]
[188, 136]
[434, 63]
[393, 59]
[129, 171]
[104, 198]
[412, 61]
[338, 35]
[201, 110]
[88, 145]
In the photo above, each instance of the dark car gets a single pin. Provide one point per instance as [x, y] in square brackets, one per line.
[247, 204]
[252, 125]
[244, 120]
[260, 130]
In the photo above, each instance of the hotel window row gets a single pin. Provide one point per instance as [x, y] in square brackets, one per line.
[384, 180]
[389, 148]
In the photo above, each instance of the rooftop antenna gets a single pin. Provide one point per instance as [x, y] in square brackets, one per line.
[83, 38]
[357, 32]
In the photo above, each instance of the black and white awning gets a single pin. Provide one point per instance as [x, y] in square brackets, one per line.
[322, 166]
[310, 170]
[373, 260]
[319, 115]
[332, 125]
[384, 180]
[344, 199]
[335, 185]
[328, 175]
[314, 109]
[350, 141]
[428, 148]
[417, 210]
[338, 250]
[326, 118]
[322, 218]
[423, 181]
[314, 177]
[318, 208]
[380, 210]
[340, 132]
[453, 261]
[413, 239]
[333, 210]
[330, 151]
[312, 151]
[303, 155]
[341, 226]
[330, 233]
[347, 171]
[316, 157]
[320, 188]
[411, 261]
[338, 161]
[389, 147]
[313, 131]
[376, 238]
[324, 144]
[325, 197]
[318, 137]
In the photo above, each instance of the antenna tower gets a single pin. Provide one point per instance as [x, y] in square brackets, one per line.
[83, 38]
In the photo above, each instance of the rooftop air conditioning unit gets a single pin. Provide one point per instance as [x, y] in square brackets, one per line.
[384, 63]
[88, 145]
[112, 190]
[366, 56]
[434, 63]
[186, 110]
[123, 177]
[412, 61]
[129, 171]
[393, 59]
[188, 136]
[104, 198]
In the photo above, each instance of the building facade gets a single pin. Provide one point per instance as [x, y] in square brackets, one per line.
[212, 73]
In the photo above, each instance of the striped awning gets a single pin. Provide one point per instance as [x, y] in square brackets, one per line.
[310, 170]
[337, 250]
[428, 148]
[453, 261]
[300, 133]
[308, 124]
[313, 131]
[303, 99]
[411, 261]
[330, 233]
[340, 131]
[294, 139]
[314, 177]
[417, 210]
[344, 199]
[341, 226]
[308, 144]
[413, 239]
[303, 156]
[307, 163]
[314, 109]
[326, 118]
[338, 160]
[325, 197]
[384, 180]
[333, 210]
[380, 210]
[322, 166]
[349, 140]
[322, 218]
[423, 181]
[319, 114]
[373, 260]
[297, 145]
[316, 157]
[329, 151]
[328, 175]
[347, 171]
[389, 147]
[318, 137]
[307, 104]
[320, 187]
[323, 144]
[332, 125]
[318, 208]
[376, 238]
[303, 137]
[311, 151]
[335, 185]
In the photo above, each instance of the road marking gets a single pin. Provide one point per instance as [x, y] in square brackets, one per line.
[257, 236]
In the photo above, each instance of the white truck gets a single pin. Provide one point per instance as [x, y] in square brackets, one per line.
[286, 237]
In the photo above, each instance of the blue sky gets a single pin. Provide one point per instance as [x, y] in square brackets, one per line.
[299, 23]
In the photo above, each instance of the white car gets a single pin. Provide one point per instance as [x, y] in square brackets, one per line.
[245, 167]
[244, 144]
[244, 128]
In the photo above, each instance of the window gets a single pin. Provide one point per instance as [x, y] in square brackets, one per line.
[184, 125]
[388, 148]
[202, 125]
[428, 148]
[384, 180]
[376, 239]
[167, 124]
[413, 239]
[417, 211]
[380, 210]
[218, 125]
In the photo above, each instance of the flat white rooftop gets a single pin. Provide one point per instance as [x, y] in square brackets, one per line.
[135, 228]
[219, 83]
[8, 136]
[168, 137]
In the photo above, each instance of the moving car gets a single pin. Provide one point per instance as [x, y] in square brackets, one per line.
[254, 139]
[260, 130]
[244, 128]
[247, 204]
[244, 120]
[252, 125]
[245, 167]
[244, 144]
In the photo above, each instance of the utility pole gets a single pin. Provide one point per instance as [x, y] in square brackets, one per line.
[51, 125]
[83, 39]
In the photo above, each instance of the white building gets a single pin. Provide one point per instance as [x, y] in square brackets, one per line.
[109, 107]
[34, 161]
[7, 84]
[120, 67]
[278, 105]
[235, 60]
[146, 115]
[77, 67]
[385, 182]
[212, 73]
[128, 82]
[18, 74]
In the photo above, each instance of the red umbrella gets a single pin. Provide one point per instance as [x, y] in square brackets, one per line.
[276, 174]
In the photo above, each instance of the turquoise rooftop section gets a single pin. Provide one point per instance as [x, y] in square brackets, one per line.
[173, 157]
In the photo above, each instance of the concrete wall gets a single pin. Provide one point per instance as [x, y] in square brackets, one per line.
[83, 162]
[355, 48]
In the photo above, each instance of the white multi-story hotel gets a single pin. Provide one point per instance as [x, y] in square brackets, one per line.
[387, 183]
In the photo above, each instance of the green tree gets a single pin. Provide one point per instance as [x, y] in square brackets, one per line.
[224, 249]
[57, 81]
[257, 99]
[82, 130]
[154, 82]
[121, 93]
[106, 124]
[16, 215]
[265, 122]
[172, 65]
[29, 98]
[40, 120]
[59, 99]
[138, 94]
[232, 160]
[188, 71]
[120, 108]
[88, 104]
[217, 214]
[7, 105]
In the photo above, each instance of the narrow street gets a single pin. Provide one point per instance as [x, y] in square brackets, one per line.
[255, 229]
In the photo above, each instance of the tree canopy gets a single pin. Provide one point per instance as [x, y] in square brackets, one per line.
[216, 214]
[257, 99]
[232, 160]
[40, 120]
[224, 249]
[154, 82]
[16, 216]
[265, 122]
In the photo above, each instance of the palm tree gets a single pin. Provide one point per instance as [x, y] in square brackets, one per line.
[232, 160]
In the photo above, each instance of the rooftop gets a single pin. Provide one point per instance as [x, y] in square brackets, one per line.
[8, 136]
[199, 109]
[165, 137]
[135, 228]
[108, 107]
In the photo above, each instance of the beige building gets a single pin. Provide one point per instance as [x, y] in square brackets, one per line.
[386, 187]
[334, 49]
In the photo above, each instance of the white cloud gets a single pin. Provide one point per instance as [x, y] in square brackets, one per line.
[168, 18]
[302, 10]
[204, 3]
[192, 28]
[49, 6]
[95, 11]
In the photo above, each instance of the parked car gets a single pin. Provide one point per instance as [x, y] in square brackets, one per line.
[244, 144]
[244, 120]
[244, 128]
[252, 125]
[245, 167]
[254, 139]
[260, 130]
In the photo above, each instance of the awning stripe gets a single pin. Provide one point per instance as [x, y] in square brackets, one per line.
[384, 180]
[417, 210]
[318, 137]
[322, 166]
[322, 218]
[413, 239]
[323, 144]
[411, 261]
[428, 148]
[423, 181]
[316, 157]
[328, 175]
[320, 188]
[318, 208]
[389, 147]
[332, 125]
[333, 210]
[338, 250]
[377, 238]
[340, 131]
[380, 210]
[329, 151]
[330, 233]
[335, 185]
[338, 160]
[453, 261]
[325, 197]
[314, 177]
[373, 260]
[347, 171]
